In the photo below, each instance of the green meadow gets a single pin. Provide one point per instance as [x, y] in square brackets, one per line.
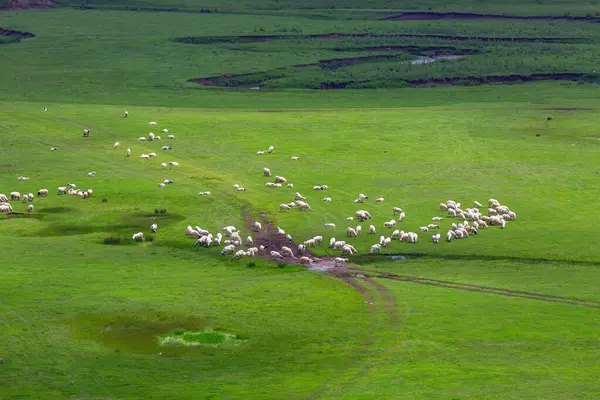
[506, 314]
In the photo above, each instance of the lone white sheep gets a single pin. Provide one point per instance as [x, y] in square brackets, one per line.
[116, 145]
[128, 152]
[153, 228]
[270, 149]
[30, 208]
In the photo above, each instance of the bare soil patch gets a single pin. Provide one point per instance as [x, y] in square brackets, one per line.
[418, 16]
[18, 5]
[18, 35]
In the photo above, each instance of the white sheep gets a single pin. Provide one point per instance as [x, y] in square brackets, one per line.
[142, 138]
[128, 152]
[165, 131]
[287, 251]
[270, 149]
[166, 148]
[363, 197]
[62, 190]
[379, 200]
[340, 262]
[41, 192]
[171, 137]
[276, 254]
[153, 228]
[332, 242]
[295, 158]
[239, 254]
[290, 185]
[284, 207]
[116, 145]
[358, 230]
[228, 249]
[330, 225]
[260, 153]
[396, 234]
[387, 241]
[327, 199]
[266, 172]
[305, 260]
[396, 210]
[161, 185]
[152, 123]
[249, 241]
[280, 231]
[280, 179]
[436, 238]
[30, 208]
[372, 229]
[15, 196]
[164, 165]
[92, 174]
[138, 237]
[241, 189]
[376, 248]
[257, 226]
[351, 232]
[437, 218]
[433, 226]
[298, 196]
[348, 250]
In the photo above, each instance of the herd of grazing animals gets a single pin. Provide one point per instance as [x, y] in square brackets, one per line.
[469, 221]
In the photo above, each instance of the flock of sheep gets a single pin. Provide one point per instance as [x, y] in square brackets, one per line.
[468, 221]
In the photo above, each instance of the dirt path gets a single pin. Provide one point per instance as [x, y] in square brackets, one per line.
[484, 289]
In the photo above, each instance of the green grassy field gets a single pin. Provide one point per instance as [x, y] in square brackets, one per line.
[506, 314]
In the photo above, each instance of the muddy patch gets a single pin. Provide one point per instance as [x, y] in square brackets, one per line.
[57, 210]
[273, 241]
[419, 16]
[18, 5]
[15, 35]
[136, 331]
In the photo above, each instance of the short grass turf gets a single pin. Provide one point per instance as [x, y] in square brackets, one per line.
[80, 319]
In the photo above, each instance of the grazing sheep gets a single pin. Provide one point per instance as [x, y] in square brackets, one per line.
[280, 231]
[348, 250]
[166, 148]
[228, 249]
[161, 185]
[15, 196]
[350, 219]
[128, 152]
[165, 131]
[53, 149]
[266, 172]
[270, 149]
[138, 237]
[452, 212]
[116, 145]
[396, 210]
[280, 179]
[173, 163]
[317, 188]
[358, 230]
[298, 196]
[144, 156]
[171, 137]
[396, 234]
[387, 241]
[152, 123]
[249, 241]
[277, 255]
[92, 174]
[436, 238]
[437, 218]
[5, 207]
[339, 244]
[168, 182]
[332, 242]
[142, 138]
[4, 199]
[477, 204]
[41, 192]
[164, 165]
[30, 208]
[376, 248]
[362, 215]
[86, 132]
[310, 243]
[327, 199]
[330, 225]
[290, 185]
[390, 224]
[351, 232]
[62, 190]
[288, 238]
[204, 193]
[305, 260]
[126, 114]
[340, 262]
[433, 226]
[239, 254]
[372, 229]
[22, 178]
[287, 251]
[363, 197]
[284, 207]
[257, 226]
[295, 158]
[443, 207]
[379, 200]
[152, 154]
[251, 252]
[260, 153]
[153, 228]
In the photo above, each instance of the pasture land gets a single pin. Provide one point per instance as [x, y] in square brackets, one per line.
[507, 314]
